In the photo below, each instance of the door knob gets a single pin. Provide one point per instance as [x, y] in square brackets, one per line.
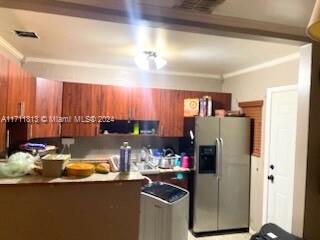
[271, 178]
[272, 166]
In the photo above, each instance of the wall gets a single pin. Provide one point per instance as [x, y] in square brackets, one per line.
[249, 87]
[122, 77]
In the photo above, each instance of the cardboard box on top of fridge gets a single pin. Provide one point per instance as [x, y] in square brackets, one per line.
[191, 107]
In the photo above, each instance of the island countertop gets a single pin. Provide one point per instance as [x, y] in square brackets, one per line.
[94, 178]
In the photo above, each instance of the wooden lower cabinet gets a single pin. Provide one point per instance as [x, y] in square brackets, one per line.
[171, 109]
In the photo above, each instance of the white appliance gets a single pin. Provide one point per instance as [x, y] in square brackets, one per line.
[164, 213]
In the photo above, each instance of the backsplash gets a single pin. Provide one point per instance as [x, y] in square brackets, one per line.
[103, 146]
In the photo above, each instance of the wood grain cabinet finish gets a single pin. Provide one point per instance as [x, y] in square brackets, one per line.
[115, 102]
[171, 109]
[49, 105]
[80, 100]
[21, 92]
[4, 65]
[220, 100]
[145, 104]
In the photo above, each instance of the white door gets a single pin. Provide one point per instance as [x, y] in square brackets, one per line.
[281, 154]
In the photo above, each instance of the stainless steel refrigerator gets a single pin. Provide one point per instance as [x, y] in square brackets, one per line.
[222, 176]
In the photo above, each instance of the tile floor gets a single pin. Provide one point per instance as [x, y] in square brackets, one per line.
[238, 236]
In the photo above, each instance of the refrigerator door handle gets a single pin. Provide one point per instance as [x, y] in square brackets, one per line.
[218, 155]
[220, 158]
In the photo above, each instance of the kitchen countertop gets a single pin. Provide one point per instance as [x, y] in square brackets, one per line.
[110, 177]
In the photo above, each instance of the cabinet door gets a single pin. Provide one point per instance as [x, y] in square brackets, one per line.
[48, 104]
[21, 92]
[3, 100]
[70, 108]
[15, 92]
[145, 104]
[80, 101]
[90, 107]
[171, 118]
[220, 100]
[115, 102]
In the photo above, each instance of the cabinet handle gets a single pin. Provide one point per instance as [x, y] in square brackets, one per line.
[22, 109]
[19, 108]
[30, 133]
[97, 129]
[60, 129]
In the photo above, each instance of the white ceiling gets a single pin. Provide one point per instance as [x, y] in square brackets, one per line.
[288, 12]
[98, 42]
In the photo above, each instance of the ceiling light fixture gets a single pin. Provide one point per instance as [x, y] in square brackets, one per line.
[149, 60]
[313, 29]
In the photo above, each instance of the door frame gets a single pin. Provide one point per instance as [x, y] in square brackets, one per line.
[266, 153]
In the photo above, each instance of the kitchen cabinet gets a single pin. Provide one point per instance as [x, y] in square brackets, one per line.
[21, 92]
[48, 108]
[220, 100]
[4, 65]
[171, 109]
[145, 104]
[115, 102]
[80, 102]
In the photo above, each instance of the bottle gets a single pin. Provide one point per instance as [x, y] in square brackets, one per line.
[209, 105]
[125, 157]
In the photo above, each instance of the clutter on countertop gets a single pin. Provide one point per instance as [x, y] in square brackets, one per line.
[18, 164]
[53, 164]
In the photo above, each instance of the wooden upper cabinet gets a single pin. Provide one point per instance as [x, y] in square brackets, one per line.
[80, 100]
[70, 108]
[49, 105]
[90, 107]
[145, 104]
[115, 102]
[171, 109]
[220, 100]
[4, 65]
[21, 92]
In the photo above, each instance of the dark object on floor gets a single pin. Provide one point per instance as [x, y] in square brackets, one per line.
[271, 231]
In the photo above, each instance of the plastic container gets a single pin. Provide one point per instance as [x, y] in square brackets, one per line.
[185, 161]
[54, 164]
[80, 169]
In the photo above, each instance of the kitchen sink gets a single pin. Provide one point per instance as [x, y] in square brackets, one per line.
[144, 168]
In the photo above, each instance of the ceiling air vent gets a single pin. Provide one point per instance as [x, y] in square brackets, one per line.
[205, 6]
[26, 34]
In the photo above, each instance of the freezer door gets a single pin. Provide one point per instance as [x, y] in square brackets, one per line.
[206, 182]
[234, 180]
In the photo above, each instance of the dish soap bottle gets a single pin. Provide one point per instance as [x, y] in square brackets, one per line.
[125, 158]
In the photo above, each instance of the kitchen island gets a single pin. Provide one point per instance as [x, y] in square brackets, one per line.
[96, 207]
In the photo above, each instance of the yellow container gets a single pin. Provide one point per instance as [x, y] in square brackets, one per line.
[80, 169]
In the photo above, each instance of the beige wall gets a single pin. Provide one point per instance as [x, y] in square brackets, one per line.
[252, 86]
[122, 77]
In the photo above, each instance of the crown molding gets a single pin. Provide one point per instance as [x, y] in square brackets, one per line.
[264, 65]
[117, 67]
[11, 49]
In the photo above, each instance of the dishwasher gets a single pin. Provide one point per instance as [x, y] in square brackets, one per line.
[164, 212]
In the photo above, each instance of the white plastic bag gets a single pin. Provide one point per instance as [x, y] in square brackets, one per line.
[19, 164]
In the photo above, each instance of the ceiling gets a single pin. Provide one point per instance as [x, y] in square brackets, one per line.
[287, 12]
[98, 42]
